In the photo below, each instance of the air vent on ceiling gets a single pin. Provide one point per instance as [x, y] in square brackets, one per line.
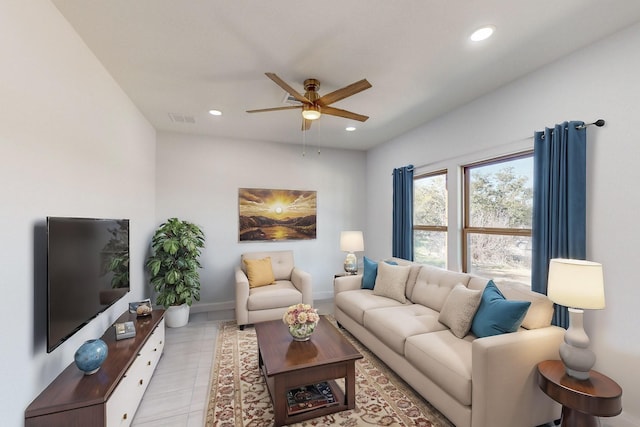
[181, 118]
[290, 100]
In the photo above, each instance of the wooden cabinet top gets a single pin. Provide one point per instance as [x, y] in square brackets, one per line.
[73, 389]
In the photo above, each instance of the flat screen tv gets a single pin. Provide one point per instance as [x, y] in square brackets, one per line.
[87, 271]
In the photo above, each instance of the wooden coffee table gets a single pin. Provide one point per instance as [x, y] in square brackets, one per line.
[288, 364]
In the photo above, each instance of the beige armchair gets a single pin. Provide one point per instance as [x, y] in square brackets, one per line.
[262, 303]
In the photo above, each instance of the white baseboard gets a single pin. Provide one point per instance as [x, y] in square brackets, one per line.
[213, 306]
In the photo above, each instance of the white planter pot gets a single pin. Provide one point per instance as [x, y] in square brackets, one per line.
[177, 316]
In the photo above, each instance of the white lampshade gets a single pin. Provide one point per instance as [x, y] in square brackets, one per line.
[576, 283]
[351, 241]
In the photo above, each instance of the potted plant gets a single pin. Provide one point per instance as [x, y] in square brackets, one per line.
[174, 264]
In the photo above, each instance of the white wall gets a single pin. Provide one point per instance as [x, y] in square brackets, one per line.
[598, 82]
[71, 144]
[198, 180]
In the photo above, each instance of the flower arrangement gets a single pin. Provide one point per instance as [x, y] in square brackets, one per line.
[301, 320]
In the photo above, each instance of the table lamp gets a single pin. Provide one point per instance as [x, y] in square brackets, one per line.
[578, 285]
[351, 241]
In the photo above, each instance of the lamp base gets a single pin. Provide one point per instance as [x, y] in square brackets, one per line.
[574, 352]
[351, 263]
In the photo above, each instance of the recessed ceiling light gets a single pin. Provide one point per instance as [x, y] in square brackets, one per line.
[482, 33]
[215, 112]
[350, 128]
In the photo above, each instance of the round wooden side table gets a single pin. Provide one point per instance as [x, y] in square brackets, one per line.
[582, 400]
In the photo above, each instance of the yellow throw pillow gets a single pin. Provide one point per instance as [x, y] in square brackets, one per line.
[259, 272]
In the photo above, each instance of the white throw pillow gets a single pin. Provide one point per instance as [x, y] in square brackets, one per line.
[391, 281]
[459, 309]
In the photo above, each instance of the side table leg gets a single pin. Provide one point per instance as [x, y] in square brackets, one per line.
[573, 418]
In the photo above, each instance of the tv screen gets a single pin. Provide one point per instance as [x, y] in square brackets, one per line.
[87, 271]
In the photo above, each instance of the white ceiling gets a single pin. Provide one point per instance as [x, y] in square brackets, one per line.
[186, 57]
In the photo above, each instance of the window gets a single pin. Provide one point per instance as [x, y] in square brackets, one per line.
[430, 219]
[498, 201]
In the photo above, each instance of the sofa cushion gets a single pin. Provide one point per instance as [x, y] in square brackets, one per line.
[459, 308]
[434, 284]
[371, 272]
[540, 311]
[356, 302]
[497, 315]
[259, 272]
[445, 360]
[281, 294]
[413, 273]
[391, 281]
[392, 325]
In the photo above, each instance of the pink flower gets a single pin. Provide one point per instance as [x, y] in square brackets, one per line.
[300, 314]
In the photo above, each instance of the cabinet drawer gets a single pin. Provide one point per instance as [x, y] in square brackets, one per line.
[155, 345]
[151, 352]
[123, 403]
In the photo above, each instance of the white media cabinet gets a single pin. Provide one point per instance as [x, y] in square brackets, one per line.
[111, 396]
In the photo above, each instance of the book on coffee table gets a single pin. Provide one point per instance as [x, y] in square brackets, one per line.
[309, 397]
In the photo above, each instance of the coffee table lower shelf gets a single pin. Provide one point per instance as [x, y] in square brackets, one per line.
[282, 414]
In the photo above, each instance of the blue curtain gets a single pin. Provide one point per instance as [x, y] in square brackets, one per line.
[559, 202]
[403, 212]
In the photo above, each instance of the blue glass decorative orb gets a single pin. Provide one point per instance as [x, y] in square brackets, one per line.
[90, 355]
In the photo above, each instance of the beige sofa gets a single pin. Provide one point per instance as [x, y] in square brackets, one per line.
[474, 382]
[259, 304]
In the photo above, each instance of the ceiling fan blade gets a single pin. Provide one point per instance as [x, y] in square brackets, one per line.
[346, 91]
[262, 110]
[291, 91]
[306, 124]
[344, 113]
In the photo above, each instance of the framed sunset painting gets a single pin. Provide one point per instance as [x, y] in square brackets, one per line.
[272, 215]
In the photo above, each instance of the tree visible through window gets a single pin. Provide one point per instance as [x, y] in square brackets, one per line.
[497, 219]
[430, 219]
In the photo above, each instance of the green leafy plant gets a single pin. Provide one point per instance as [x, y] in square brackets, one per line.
[174, 264]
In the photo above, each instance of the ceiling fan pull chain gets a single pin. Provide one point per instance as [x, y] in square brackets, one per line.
[318, 138]
[304, 140]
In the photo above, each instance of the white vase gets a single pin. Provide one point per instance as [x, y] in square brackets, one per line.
[176, 316]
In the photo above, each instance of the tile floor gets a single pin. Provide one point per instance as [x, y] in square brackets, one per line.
[177, 393]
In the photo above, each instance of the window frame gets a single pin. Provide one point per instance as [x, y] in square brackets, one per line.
[437, 228]
[466, 228]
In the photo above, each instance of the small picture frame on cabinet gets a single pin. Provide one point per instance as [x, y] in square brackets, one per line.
[141, 308]
[125, 330]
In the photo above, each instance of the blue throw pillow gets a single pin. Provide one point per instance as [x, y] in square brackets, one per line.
[496, 314]
[371, 272]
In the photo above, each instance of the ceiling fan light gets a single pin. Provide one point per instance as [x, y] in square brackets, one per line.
[311, 112]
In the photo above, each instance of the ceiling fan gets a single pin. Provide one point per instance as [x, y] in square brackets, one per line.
[313, 105]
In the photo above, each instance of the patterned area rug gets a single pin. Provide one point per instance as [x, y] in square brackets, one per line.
[239, 396]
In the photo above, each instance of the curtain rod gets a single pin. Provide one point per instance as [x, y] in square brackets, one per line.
[599, 123]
